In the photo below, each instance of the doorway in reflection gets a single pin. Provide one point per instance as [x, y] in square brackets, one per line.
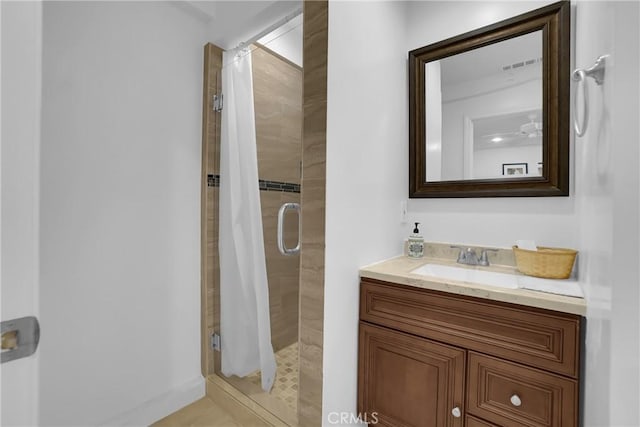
[504, 146]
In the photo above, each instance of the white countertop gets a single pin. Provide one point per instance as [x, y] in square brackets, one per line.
[398, 270]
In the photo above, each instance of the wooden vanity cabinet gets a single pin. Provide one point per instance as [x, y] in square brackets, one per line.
[429, 358]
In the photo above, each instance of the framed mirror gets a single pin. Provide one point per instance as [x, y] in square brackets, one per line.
[489, 110]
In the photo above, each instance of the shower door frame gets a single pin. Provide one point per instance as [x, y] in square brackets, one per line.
[311, 293]
[280, 174]
[209, 266]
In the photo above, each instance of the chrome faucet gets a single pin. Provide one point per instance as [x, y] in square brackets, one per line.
[469, 256]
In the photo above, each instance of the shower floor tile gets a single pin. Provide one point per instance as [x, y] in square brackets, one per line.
[285, 387]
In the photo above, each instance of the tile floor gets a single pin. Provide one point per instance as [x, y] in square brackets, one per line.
[226, 412]
[207, 413]
[285, 387]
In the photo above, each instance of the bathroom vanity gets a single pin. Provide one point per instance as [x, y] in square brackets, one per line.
[441, 352]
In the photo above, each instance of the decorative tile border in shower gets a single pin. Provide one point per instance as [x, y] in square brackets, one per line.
[287, 187]
[213, 180]
[265, 185]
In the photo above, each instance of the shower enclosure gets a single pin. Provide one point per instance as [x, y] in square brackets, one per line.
[277, 92]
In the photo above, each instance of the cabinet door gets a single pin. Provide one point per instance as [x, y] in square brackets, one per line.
[510, 394]
[406, 380]
[477, 422]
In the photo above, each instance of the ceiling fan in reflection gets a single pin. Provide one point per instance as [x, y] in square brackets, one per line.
[529, 130]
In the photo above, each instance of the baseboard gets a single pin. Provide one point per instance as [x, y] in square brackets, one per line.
[160, 406]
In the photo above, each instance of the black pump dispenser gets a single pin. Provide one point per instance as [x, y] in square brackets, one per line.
[415, 243]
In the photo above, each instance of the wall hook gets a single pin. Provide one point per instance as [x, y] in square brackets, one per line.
[580, 75]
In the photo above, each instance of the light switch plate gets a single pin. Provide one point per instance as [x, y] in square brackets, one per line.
[403, 212]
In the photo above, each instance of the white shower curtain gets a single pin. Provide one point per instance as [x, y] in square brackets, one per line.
[244, 294]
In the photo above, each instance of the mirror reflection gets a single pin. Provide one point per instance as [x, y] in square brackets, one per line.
[483, 112]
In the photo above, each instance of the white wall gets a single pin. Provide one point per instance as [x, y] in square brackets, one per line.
[468, 15]
[607, 197]
[286, 40]
[21, 79]
[120, 217]
[366, 154]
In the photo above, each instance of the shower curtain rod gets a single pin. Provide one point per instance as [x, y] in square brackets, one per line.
[269, 29]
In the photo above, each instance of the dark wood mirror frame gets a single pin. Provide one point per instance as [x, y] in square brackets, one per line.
[554, 21]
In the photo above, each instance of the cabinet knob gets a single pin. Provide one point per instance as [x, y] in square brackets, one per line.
[515, 400]
[456, 412]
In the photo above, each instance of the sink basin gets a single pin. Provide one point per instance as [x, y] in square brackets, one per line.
[501, 280]
[480, 277]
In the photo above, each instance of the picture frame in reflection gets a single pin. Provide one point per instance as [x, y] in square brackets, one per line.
[515, 169]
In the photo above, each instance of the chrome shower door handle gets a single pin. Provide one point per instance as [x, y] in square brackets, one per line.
[280, 238]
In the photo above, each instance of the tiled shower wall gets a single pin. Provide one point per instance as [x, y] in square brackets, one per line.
[278, 114]
[316, 28]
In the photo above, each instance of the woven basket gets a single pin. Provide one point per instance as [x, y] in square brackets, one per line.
[549, 263]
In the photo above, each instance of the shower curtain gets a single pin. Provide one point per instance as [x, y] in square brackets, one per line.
[245, 324]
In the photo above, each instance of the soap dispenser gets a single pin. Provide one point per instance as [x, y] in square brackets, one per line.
[416, 244]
